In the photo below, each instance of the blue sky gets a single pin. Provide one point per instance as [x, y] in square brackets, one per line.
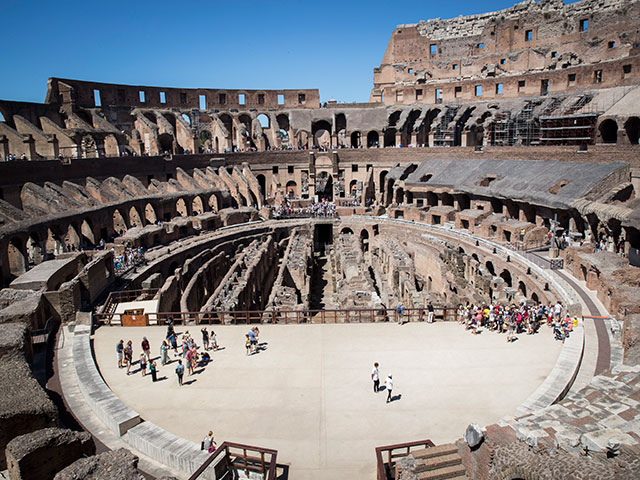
[329, 45]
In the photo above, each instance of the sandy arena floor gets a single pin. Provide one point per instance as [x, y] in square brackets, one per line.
[309, 393]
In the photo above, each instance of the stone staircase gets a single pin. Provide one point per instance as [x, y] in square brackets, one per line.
[437, 463]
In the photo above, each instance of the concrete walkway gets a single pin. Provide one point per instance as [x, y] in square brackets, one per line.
[309, 393]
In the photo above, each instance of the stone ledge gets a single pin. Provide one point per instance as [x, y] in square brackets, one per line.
[107, 407]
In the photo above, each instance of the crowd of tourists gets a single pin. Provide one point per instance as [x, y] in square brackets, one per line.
[325, 208]
[129, 258]
[515, 319]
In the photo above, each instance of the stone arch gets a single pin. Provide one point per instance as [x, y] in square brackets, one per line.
[522, 288]
[373, 139]
[346, 231]
[17, 257]
[186, 118]
[382, 176]
[356, 139]
[165, 142]
[353, 188]
[321, 131]
[262, 183]
[264, 120]
[181, 208]
[34, 249]
[86, 233]
[632, 127]
[303, 138]
[53, 244]
[291, 189]
[150, 214]
[609, 131]
[134, 217]
[506, 276]
[390, 137]
[394, 117]
[213, 203]
[490, 268]
[72, 239]
[364, 240]
[119, 225]
[197, 208]
[535, 298]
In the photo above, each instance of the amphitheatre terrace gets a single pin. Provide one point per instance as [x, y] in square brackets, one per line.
[493, 174]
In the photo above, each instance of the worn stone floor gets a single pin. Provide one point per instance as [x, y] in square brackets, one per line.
[309, 395]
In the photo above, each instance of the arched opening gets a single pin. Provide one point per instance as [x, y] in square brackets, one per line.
[262, 182]
[53, 245]
[490, 268]
[356, 139]
[17, 258]
[346, 231]
[292, 189]
[213, 203]
[609, 131]
[321, 131]
[134, 218]
[399, 195]
[364, 240]
[506, 276]
[390, 137]
[534, 297]
[264, 120]
[165, 140]
[197, 208]
[119, 225]
[522, 289]
[389, 192]
[181, 208]
[353, 188]
[72, 239]
[150, 214]
[86, 232]
[34, 249]
[632, 127]
[303, 139]
[383, 175]
[373, 139]
[186, 118]
[341, 128]
[324, 186]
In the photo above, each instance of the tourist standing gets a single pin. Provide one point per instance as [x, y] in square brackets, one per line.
[146, 348]
[120, 352]
[247, 344]
[189, 360]
[213, 340]
[154, 369]
[400, 313]
[389, 386]
[143, 364]
[375, 376]
[430, 312]
[205, 338]
[180, 371]
[164, 352]
[128, 356]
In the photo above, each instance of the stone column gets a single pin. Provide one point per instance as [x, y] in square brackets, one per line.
[4, 147]
[31, 146]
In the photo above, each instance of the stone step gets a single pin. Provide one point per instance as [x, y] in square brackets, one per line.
[455, 471]
[433, 463]
[437, 451]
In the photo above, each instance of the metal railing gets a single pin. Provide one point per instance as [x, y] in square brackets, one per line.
[385, 471]
[245, 317]
[231, 456]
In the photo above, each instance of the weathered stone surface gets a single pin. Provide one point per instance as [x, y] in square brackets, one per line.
[118, 464]
[473, 435]
[41, 454]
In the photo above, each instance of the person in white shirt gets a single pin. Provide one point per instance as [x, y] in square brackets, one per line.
[389, 386]
[208, 442]
[375, 376]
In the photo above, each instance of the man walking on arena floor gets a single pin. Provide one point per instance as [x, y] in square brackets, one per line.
[375, 376]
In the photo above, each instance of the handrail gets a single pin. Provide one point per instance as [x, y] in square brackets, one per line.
[246, 317]
[268, 468]
[123, 296]
[381, 470]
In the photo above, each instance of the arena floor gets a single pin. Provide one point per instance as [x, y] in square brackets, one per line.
[309, 394]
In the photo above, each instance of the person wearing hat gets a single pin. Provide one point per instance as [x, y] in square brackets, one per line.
[389, 386]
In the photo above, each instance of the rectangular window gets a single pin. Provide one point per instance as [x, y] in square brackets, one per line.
[122, 96]
[280, 99]
[354, 168]
[528, 35]
[503, 61]
[584, 25]
[433, 49]
[274, 169]
[399, 96]
[455, 66]
[457, 91]
[183, 98]
[96, 98]
[301, 98]
[521, 85]
[163, 97]
[418, 94]
[478, 90]
[290, 169]
[498, 89]
[222, 98]
[597, 76]
[141, 94]
[438, 95]
[612, 44]
[242, 99]
[572, 78]
[480, 45]
[261, 99]
[554, 54]
[203, 102]
[544, 87]
[626, 69]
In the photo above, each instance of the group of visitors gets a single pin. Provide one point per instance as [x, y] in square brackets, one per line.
[516, 319]
[325, 208]
[388, 383]
[129, 258]
[251, 341]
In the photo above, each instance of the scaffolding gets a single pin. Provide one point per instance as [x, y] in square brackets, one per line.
[574, 124]
[520, 129]
[444, 134]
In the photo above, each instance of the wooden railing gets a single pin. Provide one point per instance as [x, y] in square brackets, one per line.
[385, 471]
[245, 317]
[122, 296]
[236, 456]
